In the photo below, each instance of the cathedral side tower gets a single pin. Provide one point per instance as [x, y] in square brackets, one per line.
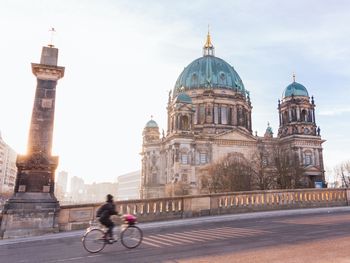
[299, 133]
[151, 181]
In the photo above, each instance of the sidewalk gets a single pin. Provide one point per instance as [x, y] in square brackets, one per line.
[191, 221]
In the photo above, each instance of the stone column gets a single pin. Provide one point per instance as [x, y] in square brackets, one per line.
[234, 116]
[33, 208]
[298, 113]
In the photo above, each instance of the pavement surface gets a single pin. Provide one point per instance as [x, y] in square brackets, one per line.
[302, 235]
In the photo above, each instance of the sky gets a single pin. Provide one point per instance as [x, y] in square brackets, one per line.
[121, 58]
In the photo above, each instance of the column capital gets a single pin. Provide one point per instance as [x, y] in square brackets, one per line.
[47, 72]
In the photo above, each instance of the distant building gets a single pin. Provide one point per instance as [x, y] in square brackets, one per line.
[96, 192]
[129, 186]
[77, 190]
[8, 168]
[81, 193]
[61, 185]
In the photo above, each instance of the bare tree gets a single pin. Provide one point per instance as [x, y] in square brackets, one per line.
[288, 170]
[232, 173]
[263, 176]
[342, 172]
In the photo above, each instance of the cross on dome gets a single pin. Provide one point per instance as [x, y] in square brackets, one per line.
[208, 49]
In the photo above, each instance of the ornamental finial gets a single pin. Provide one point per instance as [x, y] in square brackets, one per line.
[293, 76]
[52, 31]
[208, 49]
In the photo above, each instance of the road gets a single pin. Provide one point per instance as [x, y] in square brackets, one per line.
[307, 235]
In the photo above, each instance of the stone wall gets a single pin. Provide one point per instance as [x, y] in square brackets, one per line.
[73, 217]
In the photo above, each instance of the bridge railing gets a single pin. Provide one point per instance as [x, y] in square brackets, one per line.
[78, 216]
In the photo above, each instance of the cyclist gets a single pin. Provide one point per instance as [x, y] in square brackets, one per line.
[104, 213]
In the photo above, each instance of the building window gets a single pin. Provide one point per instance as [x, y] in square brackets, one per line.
[201, 114]
[184, 123]
[265, 161]
[209, 110]
[307, 159]
[223, 115]
[195, 119]
[202, 158]
[184, 159]
[229, 116]
[216, 115]
[304, 115]
[184, 178]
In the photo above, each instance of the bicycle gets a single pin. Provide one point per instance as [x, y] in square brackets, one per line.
[94, 239]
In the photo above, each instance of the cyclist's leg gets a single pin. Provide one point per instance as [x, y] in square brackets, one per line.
[109, 224]
[106, 223]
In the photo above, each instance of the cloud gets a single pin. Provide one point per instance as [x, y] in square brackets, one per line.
[334, 112]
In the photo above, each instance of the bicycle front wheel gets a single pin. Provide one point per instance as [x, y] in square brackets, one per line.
[131, 237]
[94, 241]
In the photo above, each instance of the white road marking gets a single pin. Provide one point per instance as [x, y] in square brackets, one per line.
[149, 239]
[182, 238]
[149, 243]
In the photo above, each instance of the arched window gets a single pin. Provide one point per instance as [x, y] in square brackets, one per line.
[195, 119]
[201, 114]
[216, 114]
[285, 117]
[240, 116]
[184, 158]
[309, 119]
[304, 115]
[223, 115]
[307, 158]
[202, 158]
[222, 78]
[229, 116]
[294, 114]
[184, 123]
[194, 80]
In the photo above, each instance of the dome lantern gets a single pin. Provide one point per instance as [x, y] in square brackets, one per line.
[208, 49]
[209, 72]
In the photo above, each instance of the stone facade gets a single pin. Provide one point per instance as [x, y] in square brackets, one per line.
[209, 117]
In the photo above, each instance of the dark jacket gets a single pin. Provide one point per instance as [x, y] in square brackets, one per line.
[106, 210]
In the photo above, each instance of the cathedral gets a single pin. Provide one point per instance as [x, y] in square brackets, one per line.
[210, 116]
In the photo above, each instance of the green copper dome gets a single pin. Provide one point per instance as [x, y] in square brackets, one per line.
[151, 124]
[208, 72]
[295, 89]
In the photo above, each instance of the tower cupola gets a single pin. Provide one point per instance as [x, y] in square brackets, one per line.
[296, 111]
[151, 131]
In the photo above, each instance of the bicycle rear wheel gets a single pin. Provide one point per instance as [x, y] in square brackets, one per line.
[94, 241]
[131, 237]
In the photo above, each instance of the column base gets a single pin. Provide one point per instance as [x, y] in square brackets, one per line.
[29, 214]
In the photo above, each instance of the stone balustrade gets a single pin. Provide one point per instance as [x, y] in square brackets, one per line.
[72, 217]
